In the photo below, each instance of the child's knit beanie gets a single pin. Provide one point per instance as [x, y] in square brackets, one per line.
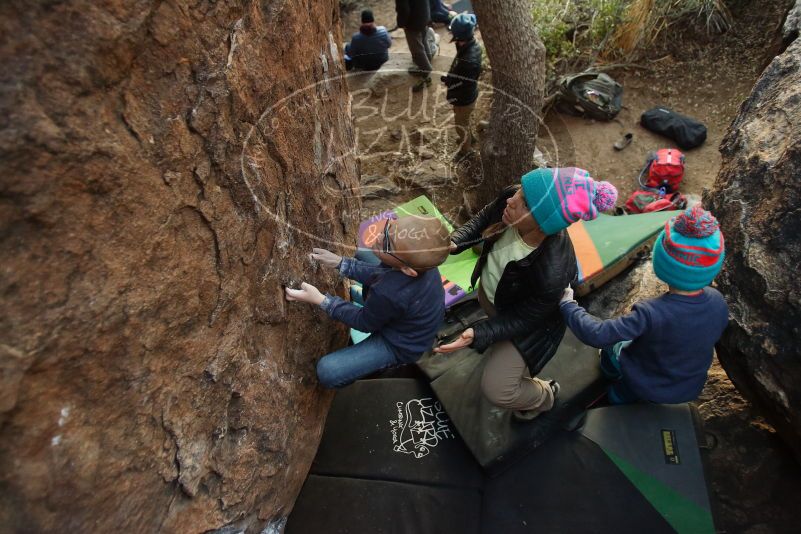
[689, 252]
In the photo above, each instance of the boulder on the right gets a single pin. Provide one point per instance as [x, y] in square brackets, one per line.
[757, 199]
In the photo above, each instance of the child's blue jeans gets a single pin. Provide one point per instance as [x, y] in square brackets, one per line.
[347, 365]
[619, 392]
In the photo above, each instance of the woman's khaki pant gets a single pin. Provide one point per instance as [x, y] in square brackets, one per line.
[506, 382]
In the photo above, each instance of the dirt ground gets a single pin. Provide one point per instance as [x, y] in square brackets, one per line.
[406, 141]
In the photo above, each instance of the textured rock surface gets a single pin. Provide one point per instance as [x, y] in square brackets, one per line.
[152, 204]
[792, 24]
[757, 199]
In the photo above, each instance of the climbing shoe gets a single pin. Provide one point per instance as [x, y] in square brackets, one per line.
[422, 84]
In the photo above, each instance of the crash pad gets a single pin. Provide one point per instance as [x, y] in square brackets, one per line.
[341, 505]
[395, 430]
[627, 469]
[494, 438]
[607, 245]
[633, 468]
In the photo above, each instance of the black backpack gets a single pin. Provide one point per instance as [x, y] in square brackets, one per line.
[686, 132]
[590, 94]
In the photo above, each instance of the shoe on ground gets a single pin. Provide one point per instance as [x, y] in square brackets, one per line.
[422, 84]
[530, 415]
[624, 141]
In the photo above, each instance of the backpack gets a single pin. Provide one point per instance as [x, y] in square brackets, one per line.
[591, 94]
[649, 201]
[665, 169]
[686, 132]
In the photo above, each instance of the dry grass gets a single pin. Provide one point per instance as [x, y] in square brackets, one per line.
[645, 20]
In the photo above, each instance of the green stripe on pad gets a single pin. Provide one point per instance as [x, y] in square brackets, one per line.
[683, 515]
[616, 236]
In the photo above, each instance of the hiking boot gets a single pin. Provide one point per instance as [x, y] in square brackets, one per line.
[530, 415]
[422, 84]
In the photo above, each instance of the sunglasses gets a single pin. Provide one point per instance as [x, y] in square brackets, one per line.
[386, 246]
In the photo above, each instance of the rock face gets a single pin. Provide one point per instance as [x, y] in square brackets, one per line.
[757, 199]
[166, 165]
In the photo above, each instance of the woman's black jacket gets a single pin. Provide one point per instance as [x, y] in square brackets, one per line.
[528, 293]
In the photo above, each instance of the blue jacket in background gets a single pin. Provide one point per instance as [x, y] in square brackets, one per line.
[369, 48]
[406, 310]
[672, 337]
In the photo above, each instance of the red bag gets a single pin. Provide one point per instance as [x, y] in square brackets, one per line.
[650, 201]
[665, 170]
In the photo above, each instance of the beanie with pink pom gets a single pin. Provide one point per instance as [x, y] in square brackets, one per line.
[689, 252]
[559, 197]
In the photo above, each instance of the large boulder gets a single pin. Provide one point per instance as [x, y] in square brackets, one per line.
[157, 192]
[757, 199]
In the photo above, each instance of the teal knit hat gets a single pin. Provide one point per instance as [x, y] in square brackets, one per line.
[689, 252]
[559, 197]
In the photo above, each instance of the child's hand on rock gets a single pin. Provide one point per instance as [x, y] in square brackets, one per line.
[306, 293]
[325, 257]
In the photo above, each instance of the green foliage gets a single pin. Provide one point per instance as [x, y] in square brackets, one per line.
[573, 28]
[576, 32]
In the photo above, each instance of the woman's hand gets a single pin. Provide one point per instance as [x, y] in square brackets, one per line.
[461, 342]
[306, 293]
[452, 248]
[326, 257]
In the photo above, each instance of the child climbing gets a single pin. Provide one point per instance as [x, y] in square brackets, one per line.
[404, 302]
[661, 351]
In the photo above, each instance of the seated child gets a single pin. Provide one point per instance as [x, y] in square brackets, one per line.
[404, 302]
[369, 48]
[662, 349]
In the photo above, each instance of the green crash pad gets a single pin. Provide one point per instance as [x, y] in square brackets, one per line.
[607, 245]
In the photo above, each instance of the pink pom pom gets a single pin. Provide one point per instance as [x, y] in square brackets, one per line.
[605, 196]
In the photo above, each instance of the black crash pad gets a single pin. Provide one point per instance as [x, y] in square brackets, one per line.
[658, 446]
[567, 485]
[396, 430]
[491, 434]
[329, 505]
[627, 469]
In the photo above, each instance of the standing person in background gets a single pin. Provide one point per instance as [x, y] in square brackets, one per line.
[369, 48]
[462, 79]
[414, 17]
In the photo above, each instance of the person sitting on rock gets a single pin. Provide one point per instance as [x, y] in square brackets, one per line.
[404, 302]
[441, 12]
[369, 48]
[526, 261]
[661, 351]
[462, 79]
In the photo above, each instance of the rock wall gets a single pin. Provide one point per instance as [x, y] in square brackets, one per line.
[166, 165]
[757, 199]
